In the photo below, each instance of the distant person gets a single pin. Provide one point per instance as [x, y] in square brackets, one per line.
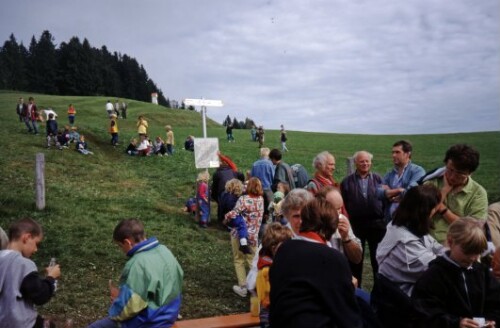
[124, 109]
[116, 108]
[132, 147]
[170, 140]
[109, 108]
[71, 114]
[282, 172]
[23, 287]
[30, 115]
[365, 209]
[460, 194]
[74, 136]
[143, 148]
[113, 129]
[82, 146]
[260, 136]
[324, 164]
[142, 125]
[311, 284]
[253, 133]
[51, 129]
[149, 294]
[283, 139]
[159, 148]
[20, 108]
[229, 132]
[457, 290]
[263, 169]
[404, 176]
[189, 143]
[202, 198]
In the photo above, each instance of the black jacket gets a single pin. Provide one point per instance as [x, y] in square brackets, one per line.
[446, 292]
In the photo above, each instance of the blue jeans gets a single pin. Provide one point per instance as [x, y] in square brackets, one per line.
[241, 226]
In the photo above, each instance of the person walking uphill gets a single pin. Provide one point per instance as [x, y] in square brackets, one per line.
[150, 288]
[71, 114]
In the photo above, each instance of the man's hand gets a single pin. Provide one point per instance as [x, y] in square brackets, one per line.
[343, 227]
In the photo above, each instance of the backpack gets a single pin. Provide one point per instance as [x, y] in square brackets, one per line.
[300, 176]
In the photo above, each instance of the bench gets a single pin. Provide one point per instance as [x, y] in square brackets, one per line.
[227, 321]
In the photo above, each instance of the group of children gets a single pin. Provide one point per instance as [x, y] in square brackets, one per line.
[62, 139]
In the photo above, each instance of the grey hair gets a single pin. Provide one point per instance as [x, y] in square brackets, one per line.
[264, 152]
[359, 152]
[296, 199]
[320, 159]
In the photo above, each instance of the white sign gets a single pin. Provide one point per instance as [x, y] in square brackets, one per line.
[205, 152]
[203, 102]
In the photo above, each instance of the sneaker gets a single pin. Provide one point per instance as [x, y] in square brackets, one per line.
[240, 291]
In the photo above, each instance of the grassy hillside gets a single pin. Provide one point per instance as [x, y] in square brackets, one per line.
[87, 195]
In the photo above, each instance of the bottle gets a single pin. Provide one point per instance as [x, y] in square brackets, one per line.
[51, 264]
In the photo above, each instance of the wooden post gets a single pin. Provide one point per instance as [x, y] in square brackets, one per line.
[40, 181]
[350, 165]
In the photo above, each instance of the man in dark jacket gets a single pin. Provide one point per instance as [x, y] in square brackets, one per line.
[366, 211]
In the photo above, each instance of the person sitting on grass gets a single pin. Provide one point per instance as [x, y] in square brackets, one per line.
[82, 147]
[74, 136]
[132, 147]
[457, 290]
[22, 287]
[159, 147]
[274, 234]
[144, 149]
[150, 288]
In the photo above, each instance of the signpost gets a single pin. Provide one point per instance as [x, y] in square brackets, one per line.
[204, 103]
[205, 150]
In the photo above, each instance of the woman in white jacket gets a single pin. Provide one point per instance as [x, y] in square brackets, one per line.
[407, 248]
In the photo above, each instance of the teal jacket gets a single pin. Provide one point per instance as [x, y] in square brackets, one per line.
[150, 287]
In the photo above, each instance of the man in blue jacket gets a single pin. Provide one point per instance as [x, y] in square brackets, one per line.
[402, 177]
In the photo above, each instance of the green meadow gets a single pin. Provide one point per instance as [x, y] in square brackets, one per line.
[87, 195]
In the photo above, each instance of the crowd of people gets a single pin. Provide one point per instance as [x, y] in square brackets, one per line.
[429, 236]
[433, 242]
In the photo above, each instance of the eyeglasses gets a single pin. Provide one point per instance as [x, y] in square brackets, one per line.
[457, 173]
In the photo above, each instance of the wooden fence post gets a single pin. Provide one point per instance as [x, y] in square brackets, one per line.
[350, 165]
[40, 181]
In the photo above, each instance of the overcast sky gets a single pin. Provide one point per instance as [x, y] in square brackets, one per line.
[346, 66]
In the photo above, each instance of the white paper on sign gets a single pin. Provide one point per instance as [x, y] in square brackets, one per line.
[205, 152]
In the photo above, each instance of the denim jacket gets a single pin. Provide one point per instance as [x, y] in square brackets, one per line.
[411, 174]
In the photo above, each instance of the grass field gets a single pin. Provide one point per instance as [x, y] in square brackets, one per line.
[87, 195]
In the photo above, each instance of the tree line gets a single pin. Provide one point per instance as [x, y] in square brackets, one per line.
[74, 68]
[247, 124]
